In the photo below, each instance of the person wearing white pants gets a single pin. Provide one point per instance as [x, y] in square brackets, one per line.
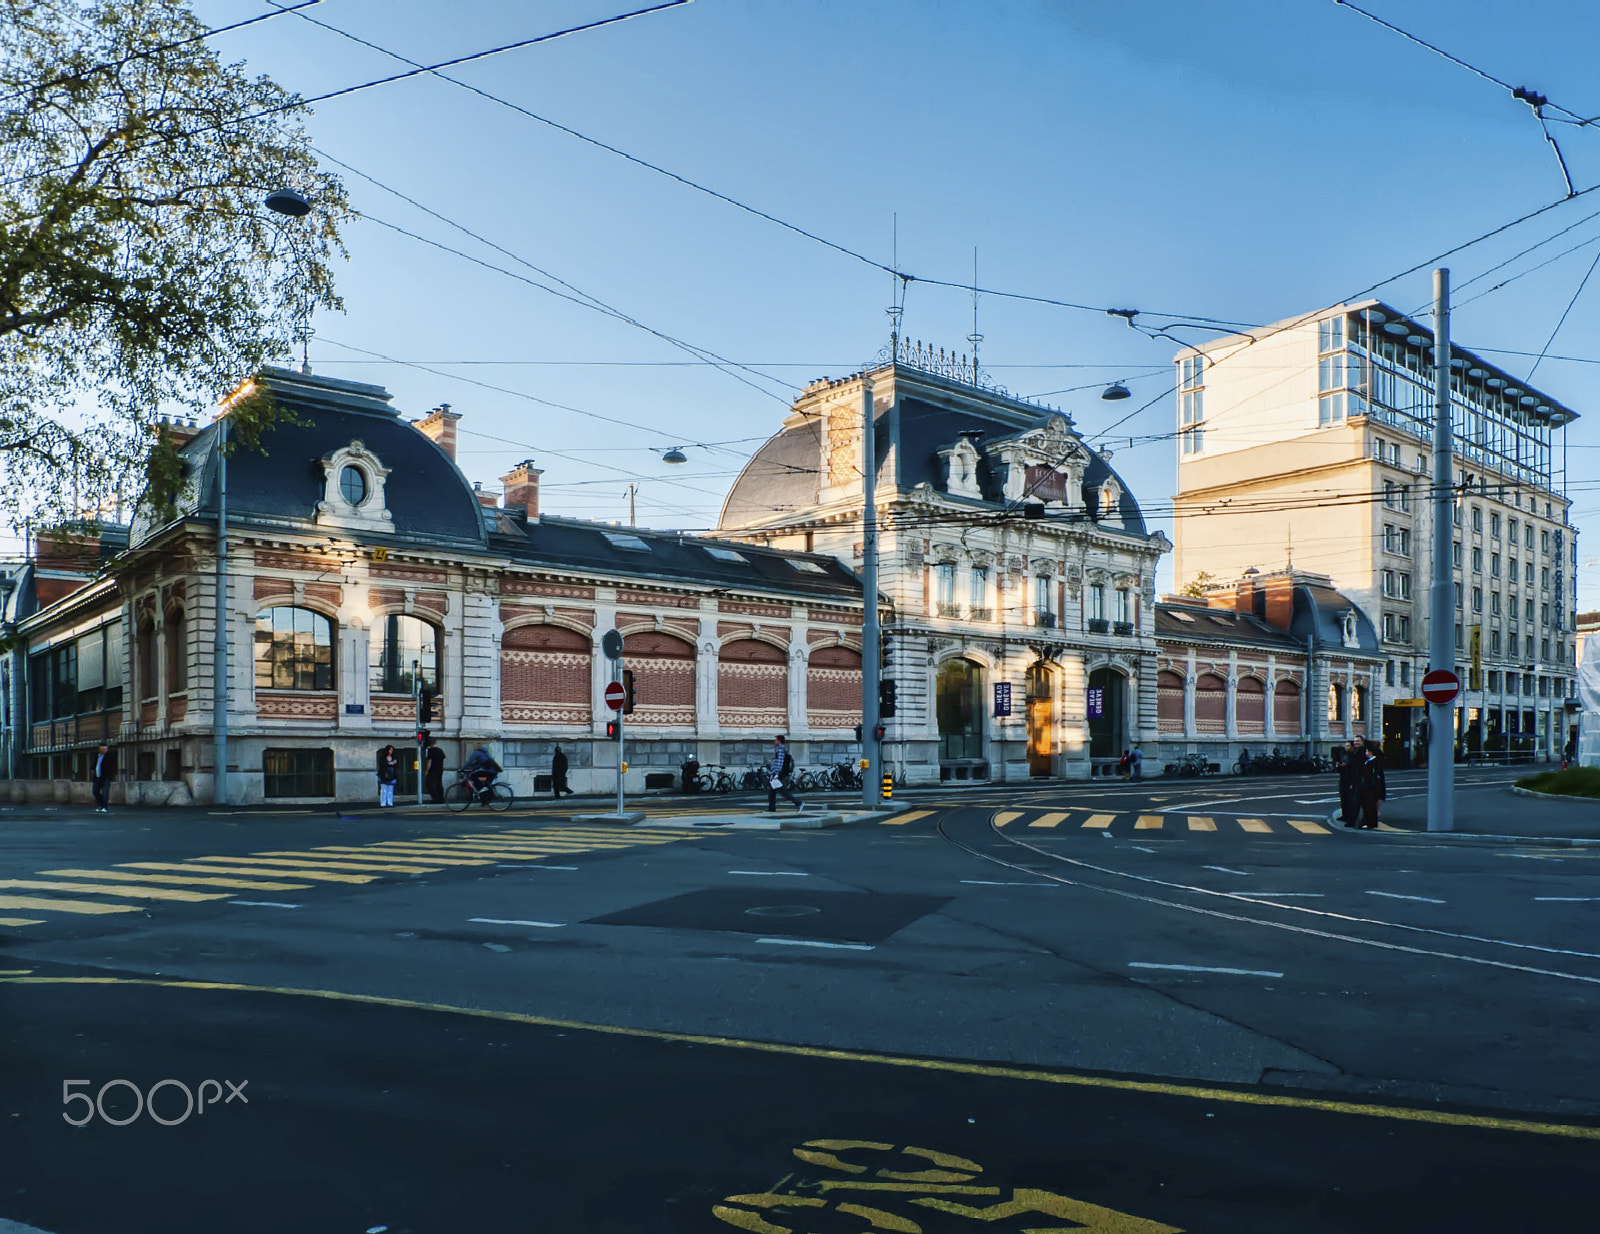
[388, 773]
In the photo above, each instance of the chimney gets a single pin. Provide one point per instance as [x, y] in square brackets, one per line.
[1279, 607]
[484, 499]
[439, 426]
[180, 432]
[522, 487]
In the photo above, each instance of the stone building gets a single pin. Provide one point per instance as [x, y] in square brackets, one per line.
[1016, 569]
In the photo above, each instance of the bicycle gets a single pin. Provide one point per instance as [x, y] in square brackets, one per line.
[460, 795]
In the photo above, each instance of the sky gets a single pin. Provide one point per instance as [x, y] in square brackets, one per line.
[1246, 162]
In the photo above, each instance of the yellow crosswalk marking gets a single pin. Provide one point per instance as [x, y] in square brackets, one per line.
[135, 893]
[1149, 822]
[1307, 826]
[243, 884]
[1007, 816]
[1048, 820]
[1200, 823]
[901, 819]
[1099, 820]
[1254, 824]
[350, 854]
[39, 904]
[316, 876]
[20, 921]
[480, 856]
[272, 864]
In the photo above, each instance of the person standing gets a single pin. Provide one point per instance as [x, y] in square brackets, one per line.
[434, 779]
[1349, 785]
[102, 780]
[1373, 786]
[388, 775]
[558, 774]
[1136, 764]
[779, 771]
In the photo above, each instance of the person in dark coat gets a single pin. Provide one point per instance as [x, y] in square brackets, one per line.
[1349, 786]
[433, 781]
[558, 774]
[1373, 787]
[388, 775]
[101, 780]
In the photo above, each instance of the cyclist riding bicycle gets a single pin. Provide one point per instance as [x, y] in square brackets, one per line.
[480, 771]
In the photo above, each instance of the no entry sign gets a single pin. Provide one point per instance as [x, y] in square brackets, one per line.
[1441, 686]
[615, 695]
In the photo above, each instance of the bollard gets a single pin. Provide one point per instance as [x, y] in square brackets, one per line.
[888, 786]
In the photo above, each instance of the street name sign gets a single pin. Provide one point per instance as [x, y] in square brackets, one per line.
[1441, 686]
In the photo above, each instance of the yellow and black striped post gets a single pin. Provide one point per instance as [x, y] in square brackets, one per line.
[888, 785]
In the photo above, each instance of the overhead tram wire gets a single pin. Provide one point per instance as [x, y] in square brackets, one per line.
[147, 52]
[1563, 321]
[579, 296]
[297, 104]
[843, 249]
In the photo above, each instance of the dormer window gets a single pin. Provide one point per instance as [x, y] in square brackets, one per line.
[353, 485]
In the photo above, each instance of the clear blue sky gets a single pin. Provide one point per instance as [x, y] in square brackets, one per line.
[1246, 161]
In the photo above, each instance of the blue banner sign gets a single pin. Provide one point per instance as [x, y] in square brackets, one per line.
[1097, 702]
[1002, 698]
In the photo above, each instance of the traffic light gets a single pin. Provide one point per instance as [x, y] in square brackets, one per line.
[613, 730]
[877, 734]
[886, 690]
[627, 691]
[858, 734]
[424, 706]
[422, 736]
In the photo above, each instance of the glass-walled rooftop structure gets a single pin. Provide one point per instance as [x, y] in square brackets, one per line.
[1374, 361]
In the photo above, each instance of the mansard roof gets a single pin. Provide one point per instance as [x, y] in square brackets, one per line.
[282, 483]
[783, 477]
[1197, 622]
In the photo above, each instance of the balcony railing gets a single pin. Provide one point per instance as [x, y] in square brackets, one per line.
[1044, 619]
[948, 610]
[981, 614]
[1123, 628]
[1099, 625]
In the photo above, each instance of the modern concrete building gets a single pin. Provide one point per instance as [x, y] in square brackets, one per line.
[1309, 442]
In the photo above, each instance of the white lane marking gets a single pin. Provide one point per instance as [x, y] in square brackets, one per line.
[1225, 870]
[537, 866]
[1287, 895]
[807, 942]
[1210, 801]
[263, 903]
[1142, 848]
[984, 882]
[1565, 899]
[774, 873]
[543, 925]
[1198, 968]
[1314, 801]
[1390, 895]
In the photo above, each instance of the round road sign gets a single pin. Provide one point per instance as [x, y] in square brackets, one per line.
[611, 644]
[1441, 686]
[614, 695]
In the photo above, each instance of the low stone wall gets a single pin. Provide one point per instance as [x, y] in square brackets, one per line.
[80, 792]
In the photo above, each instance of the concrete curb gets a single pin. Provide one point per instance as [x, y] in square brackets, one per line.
[1528, 792]
[1465, 837]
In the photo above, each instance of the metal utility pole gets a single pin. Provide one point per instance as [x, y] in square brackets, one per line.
[870, 637]
[422, 725]
[1441, 606]
[219, 686]
[622, 750]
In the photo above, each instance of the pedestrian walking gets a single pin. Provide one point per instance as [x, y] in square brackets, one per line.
[1136, 764]
[388, 775]
[433, 780]
[1373, 786]
[1349, 785]
[1244, 762]
[102, 780]
[558, 774]
[781, 768]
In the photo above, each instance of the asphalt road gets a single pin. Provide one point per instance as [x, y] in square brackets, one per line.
[1120, 1007]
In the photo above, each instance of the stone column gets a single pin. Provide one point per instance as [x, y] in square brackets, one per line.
[1188, 698]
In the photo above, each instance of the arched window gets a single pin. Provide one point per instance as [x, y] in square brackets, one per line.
[177, 652]
[1250, 706]
[1358, 705]
[1286, 708]
[404, 649]
[833, 688]
[664, 667]
[958, 707]
[145, 655]
[294, 650]
[1210, 704]
[1336, 703]
[1169, 702]
[752, 685]
[545, 676]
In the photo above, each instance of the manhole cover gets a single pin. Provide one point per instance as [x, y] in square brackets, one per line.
[782, 910]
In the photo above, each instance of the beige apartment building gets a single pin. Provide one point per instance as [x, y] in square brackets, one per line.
[1309, 443]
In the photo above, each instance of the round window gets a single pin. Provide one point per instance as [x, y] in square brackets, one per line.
[353, 485]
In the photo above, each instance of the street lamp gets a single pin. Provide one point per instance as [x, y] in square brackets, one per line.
[675, 455]
[1115, 392]
[287, 202]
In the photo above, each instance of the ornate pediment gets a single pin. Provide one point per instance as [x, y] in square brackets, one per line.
[1045, 463]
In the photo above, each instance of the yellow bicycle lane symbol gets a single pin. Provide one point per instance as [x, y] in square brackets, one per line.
[934, 1182]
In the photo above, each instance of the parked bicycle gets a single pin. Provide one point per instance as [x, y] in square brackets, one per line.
[1192, 765]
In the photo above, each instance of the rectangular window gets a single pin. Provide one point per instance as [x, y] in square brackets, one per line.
[1544, 654]
[1388, 675]
[1527, 644]
[1544, 578]
[1043, 595]
[1097, 602]
[1192, 372]
[297, 773]
[978, 589]
[944, 576]
[1494, 674]
[1455, 554]
[1193, 440]
[1458, 638]
[1477, 561]
[1389, 587]
[1494, 525]
[1494, 650]
[1405, 669]
[1477, 519]
[1494, 565]
[1544, 614]
[1405, 497]
[1458, 595]
[1405, 541]
[1477, 599]
[1494, 603]
[1124, 605]
[1528, 573]
[1544, 541]
[1390, 543]
[1389, 494]
[1527, 536]
[1511, 530]
[1330, 335]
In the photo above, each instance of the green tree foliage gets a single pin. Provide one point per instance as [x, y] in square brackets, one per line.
[1198, 587]
[139, 272]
